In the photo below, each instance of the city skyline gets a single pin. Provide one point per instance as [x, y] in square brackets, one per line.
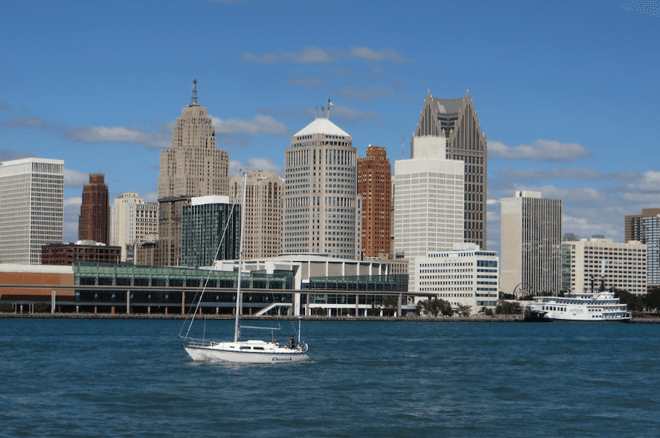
[561, 90]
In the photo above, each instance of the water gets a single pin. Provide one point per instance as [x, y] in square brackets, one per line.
[131, 378]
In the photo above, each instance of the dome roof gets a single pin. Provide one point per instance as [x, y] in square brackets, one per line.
[322, 126]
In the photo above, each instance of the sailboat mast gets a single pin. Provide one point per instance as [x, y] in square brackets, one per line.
[240, 259]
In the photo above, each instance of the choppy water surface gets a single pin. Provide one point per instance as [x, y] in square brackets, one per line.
[367, 379]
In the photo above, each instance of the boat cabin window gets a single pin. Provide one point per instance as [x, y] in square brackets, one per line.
[259, 348]
[245, 348]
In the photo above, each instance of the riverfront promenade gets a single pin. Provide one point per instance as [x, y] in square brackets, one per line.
[647, 319]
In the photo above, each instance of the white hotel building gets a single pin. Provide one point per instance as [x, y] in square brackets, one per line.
[32, 208]
[625, 265]
[428, 200]
[464, 276]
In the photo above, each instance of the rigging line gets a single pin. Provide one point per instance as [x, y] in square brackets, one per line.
[208, 277]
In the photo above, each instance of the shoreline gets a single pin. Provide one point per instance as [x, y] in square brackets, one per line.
[501, 318]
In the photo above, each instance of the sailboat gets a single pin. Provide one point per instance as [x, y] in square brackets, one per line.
[248, 351]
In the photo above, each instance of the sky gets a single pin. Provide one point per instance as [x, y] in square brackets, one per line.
[566, 92]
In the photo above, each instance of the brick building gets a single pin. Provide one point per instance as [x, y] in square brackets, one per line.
[94, 220]
[375, 187]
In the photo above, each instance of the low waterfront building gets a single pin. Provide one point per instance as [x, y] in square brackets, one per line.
[82, 250]
[465, 276]
[287, 286]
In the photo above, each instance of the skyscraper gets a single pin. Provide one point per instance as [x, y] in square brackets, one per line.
[192, 167]
[456, 120]
[375, 187]
[322, 211]
[133, 221]
[531, 243]
[645, 228]
[32, 208]
[263, 212]
[94, 219]
[428, 203]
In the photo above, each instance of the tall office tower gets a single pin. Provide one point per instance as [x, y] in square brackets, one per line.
[375, 187]
[322, 211]
[428, 204]
[531, 243]
[204, 223]
[263, 213]
[624, 265]
[133, 221]
[456, 121]
[645, 228]
[32, 208]
[192, 167]
[94, 219]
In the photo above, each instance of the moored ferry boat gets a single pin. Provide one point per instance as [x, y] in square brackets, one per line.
[578, 307]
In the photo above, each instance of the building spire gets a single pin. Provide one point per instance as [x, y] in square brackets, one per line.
[193, 100]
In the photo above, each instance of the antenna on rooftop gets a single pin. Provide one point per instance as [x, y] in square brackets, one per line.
[193, 101]
[403, 148]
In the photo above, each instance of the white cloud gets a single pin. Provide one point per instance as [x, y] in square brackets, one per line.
[71, 215]
[74, 178]
[150, 197]
[117, 134]
[259, 125]
[344, 111]
[373, 55]
[98, 134]
[323, 56]
[9, 155]
[567, 173]
[308, 113]
[360, 94]
[308, 81]
[541, 150]
[258, 163]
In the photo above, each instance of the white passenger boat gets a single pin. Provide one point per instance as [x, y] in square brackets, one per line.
[250, 351]
[585, 307]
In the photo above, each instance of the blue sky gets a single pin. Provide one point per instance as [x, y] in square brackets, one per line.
[566, 92]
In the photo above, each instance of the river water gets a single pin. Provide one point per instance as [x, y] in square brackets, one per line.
[71, 377]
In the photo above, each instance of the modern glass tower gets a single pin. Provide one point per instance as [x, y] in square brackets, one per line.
[204, 222]
[645, 228]
[32, 208]
[322, 211]
[456, 120]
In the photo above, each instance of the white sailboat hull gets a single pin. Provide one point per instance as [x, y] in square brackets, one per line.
[248, 352]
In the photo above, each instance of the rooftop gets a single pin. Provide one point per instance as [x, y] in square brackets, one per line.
[322, 126]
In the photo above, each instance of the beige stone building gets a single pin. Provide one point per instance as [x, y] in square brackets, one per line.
[133, 221]
[624, 265]
[531, 243]
[192, 167]
[263, 214]
[322, 210]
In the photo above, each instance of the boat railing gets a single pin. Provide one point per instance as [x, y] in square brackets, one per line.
[196, 342]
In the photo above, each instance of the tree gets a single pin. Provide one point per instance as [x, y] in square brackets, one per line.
[464, 310]
[635, 303]
[508, 308]
[435, 306]
[652, 300]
